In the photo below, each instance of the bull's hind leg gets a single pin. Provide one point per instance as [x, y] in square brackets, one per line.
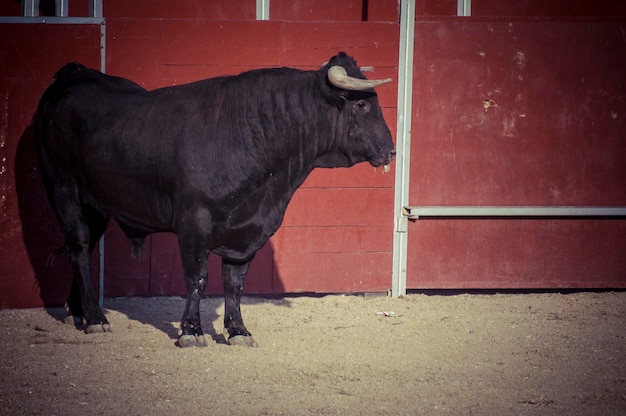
[233, 278]
[82, 297]
[82, 228]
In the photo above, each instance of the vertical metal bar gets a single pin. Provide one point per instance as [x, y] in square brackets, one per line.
[464, 8]
[30, 8]
[262, 9]
[101, 272]
[403, 146]
[60, 8]
[95, 8]
[103, 60]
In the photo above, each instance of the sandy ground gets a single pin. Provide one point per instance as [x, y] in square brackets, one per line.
[499, 354]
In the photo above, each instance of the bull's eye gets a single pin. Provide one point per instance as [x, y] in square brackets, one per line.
[363, 106]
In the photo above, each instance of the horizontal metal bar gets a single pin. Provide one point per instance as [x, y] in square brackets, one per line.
[53, 20]
[416, 212]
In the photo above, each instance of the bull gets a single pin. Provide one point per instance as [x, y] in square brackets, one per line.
[215, 161]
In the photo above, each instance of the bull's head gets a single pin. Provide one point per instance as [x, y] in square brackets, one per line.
[362, 134]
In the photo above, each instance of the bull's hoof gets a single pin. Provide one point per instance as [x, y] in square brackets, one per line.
[192, 341]
[76, 321]
[243, 341]
[98, 328]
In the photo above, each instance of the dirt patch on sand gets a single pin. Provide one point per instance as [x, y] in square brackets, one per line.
[501, 354]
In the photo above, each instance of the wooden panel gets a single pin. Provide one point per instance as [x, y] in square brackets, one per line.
[518, 113]
[190, 9]
[333, 272]
[453, 254]
[34, 269]
[197, 42]
[437, 7]
[549, 8]
[340, 239]
[316, 10]
[340, 207]
[314, 43]
[348, 10]
[383, 10]
[132, 50]
[180, 51]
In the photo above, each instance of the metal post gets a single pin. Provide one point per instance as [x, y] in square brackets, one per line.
[262, 9]
[95, 8]
[61, 8]
[415, 213]
[30, 8]
[464, 8]
[403, 146]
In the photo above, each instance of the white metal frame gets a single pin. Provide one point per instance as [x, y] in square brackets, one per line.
[402, 211]
[417, 212]
[403, 146]
[262, 9]
[464, 8]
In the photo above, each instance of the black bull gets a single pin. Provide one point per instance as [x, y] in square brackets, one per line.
[215, 161]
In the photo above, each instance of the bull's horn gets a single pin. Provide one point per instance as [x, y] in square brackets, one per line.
[338, 76]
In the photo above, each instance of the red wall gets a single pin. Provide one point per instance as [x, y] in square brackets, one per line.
[552, 134]
[31, 270]
[337, 233]
[518, 113]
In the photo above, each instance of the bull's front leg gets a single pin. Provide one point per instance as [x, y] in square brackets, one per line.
[233, 279]
[191, 326]
[194, 256]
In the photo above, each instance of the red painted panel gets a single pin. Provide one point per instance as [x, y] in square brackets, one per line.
[189, 9]
[317, 10]
[314, 43]
[197, 42]
[334, 272]
[34, 272]
[436, 8]
[549, 8]
[10, 8]
[519, 113]
[315, 239]
[340, 207]
[349, 10]
[561, 253]
[132, 50]
[383, 10]
[362, 175]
